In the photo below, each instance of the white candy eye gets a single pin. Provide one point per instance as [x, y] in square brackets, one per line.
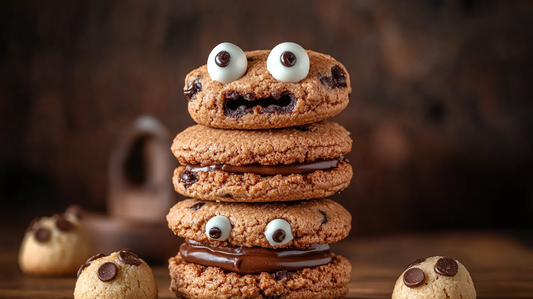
[226, 63]
[288, 62]
[278, 232]
[218, 228]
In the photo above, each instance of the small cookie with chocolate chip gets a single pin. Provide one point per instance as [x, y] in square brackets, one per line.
[436, 277]
[274, 249]
[120, 275]
[55, 245]
[283, 87]
[295, 163]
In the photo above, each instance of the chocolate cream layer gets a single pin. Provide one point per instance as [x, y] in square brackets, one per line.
[248, 260]
[283, 169]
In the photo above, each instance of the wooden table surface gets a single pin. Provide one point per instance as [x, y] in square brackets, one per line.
[501, 265]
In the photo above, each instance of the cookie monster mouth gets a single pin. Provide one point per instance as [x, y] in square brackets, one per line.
[237, 105]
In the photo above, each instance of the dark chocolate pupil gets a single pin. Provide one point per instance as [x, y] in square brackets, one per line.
[414, 277]
[42, 234]
[215, 232]
[107, 271]
[128, 257]
[222, 59]
[288, 59]
[278, 235]
[446, 266]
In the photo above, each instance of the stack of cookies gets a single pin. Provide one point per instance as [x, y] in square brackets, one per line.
[258, 166]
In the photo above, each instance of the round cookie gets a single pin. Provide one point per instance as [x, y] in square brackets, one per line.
[121, 275]
[435, 278]
[54, 245]
[258, 101]
[191, 280]
[310, 222]
[295, 163]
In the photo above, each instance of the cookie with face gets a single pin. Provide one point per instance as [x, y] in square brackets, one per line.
[121, 275]
[286, 164]
[287, 86]
[55, 245]
[259, 250]
[435, 278]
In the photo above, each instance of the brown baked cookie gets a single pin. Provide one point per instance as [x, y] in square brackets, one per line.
[293, 163]
[269, 225]
[257, 100]
[191, 280]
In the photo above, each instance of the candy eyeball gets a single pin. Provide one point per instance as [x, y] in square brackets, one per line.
[218, 228]
[278, 232]
[226, 63]
[288, 62]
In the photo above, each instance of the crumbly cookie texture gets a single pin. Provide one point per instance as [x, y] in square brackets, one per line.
[208, 146]
[316, 97]
[123, 280]
[195, 281]
[443, 279]
[311, 221]
[249, 187]
[54, 246]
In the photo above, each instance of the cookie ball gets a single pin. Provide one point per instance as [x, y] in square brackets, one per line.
[120, 275]
[54, 245]
[436, 277]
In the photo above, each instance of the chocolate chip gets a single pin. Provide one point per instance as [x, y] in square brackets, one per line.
[414, 277]
[279, 235]
[188, 178]
[337, 78]
[197, 206]
[280, 274]
[63, 224]
[195, 87]
[222, 59]
[95, 257]
[288, 59]
[80, 270]
[42, 234]
[415, 262]
[74, 210]
[32, 224]
[107, 271]
[225, 195]
[128, 257]
[446, 266]
[88, 262]
[215, 233]
[324, 217]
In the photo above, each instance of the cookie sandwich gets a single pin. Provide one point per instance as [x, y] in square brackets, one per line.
[292, 163]
[259, 250]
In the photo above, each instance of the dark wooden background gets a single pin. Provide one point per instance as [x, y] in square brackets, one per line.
[441, 112]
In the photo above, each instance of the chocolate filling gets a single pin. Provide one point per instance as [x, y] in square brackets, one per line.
[248, 260]
[237, 105]
[267, 170]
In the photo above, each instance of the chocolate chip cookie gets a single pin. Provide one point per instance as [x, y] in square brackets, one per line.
[121, 275]
[54, 245]
[284, 87]
[294, 163]
[434, 278]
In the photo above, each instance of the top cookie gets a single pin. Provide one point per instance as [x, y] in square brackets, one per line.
[258, 100]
